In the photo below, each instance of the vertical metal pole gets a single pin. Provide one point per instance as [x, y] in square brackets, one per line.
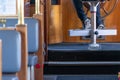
[93, 20]
[37, 6]
[20, 12]
[36, 1]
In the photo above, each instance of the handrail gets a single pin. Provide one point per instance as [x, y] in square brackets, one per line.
[114, 6]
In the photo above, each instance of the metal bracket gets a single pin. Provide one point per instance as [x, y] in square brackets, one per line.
[3, 21]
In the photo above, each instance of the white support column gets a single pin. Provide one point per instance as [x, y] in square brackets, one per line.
[93, 10]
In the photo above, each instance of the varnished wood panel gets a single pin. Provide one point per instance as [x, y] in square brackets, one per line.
[54, 22]
[55, 28]
[46, 25]
[69, 20]
[26, 1]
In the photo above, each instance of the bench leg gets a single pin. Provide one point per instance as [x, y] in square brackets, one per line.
[32, 73]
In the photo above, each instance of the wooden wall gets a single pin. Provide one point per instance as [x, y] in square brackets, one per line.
[70, 20]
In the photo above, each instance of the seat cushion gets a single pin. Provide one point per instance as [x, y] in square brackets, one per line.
[32, 28]
[9, 77]
[32, 60]
[11, 50]
[32, 34]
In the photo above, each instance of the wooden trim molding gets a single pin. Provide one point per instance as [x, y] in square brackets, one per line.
[0, 59]
[23, 72]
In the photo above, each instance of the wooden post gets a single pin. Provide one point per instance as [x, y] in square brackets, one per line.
[23, 72]
[22, 28]
[0, 59]
[47, 22]
[40, 17]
